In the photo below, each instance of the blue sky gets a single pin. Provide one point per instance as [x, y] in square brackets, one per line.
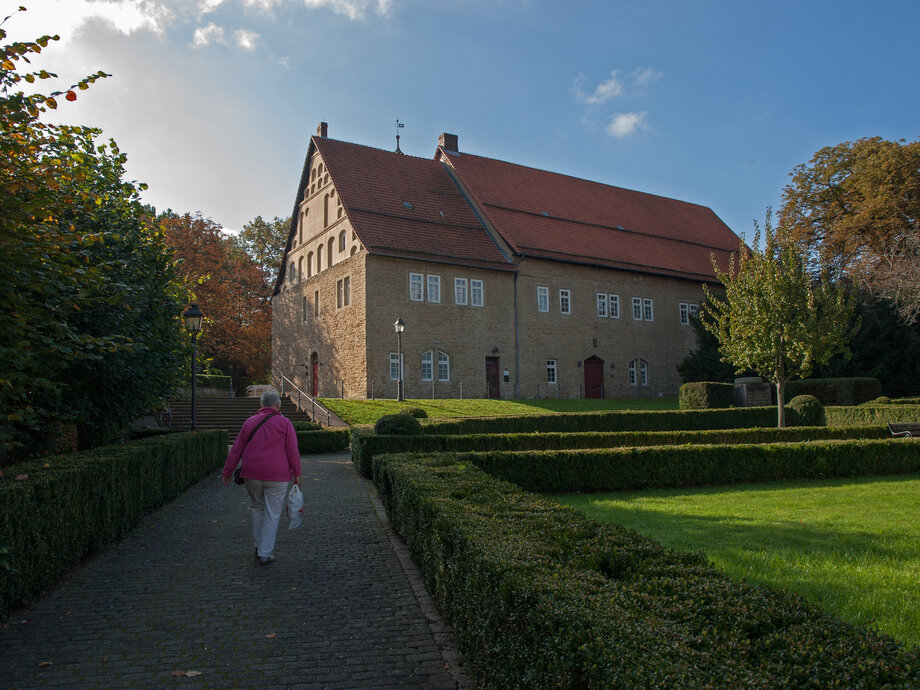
[710, 102]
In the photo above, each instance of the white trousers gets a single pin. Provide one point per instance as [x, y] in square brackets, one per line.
[267, 504]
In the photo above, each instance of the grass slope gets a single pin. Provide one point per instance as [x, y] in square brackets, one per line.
[369, 411]
[850, 546]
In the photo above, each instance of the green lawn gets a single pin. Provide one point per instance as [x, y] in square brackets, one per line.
[850, 546]
[369, 411]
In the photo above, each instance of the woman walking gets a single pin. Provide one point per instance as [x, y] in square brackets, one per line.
[267, 445]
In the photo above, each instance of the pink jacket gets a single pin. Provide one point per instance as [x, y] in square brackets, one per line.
[272, 453]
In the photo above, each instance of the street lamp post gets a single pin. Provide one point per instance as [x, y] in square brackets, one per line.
[193, 318]
[400, 327]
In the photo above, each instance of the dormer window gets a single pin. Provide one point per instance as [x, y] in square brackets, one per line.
[407, 205]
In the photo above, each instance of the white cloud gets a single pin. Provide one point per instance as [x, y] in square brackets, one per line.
[205, 6]
[626, 124]
[246, 39]
[645, 76]
[353, 9]
[208, 34]
[604, 91]
[67, 17]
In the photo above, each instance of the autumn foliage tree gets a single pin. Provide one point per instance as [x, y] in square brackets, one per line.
[855, 209]
[90, 330]
[231, 290]
[264, 241]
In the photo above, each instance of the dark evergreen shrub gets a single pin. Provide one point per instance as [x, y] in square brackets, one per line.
[307, 426]
[398, 424]
[416, 412]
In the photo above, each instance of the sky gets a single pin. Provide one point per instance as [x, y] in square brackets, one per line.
[712, 102]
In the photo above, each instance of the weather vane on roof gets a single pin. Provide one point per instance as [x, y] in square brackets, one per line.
[399, 126]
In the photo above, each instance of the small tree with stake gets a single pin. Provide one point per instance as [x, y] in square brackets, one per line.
[774, 318]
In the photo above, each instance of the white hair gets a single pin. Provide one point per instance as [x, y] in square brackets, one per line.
[270, 398]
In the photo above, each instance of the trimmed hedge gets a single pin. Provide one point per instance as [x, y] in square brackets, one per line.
[805, 410]
[654, 467]
[365, 444]
[325, 441]
[306, 426]
[633, 420]
[836, 391]
[871, 415]
[705, 395]
[70, 506]
[400, 424]
[541, 596]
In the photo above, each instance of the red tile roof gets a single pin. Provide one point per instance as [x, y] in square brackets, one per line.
[548, 215]
[406, 206]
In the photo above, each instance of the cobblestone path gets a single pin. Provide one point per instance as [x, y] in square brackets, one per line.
[181, 601]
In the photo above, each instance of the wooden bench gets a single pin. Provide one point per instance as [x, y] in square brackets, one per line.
[904, 428]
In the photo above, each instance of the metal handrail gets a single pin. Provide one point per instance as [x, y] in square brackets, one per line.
[313, 403]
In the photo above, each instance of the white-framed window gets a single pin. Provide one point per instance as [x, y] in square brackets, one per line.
[637, 308]
[460, 292]
[542, 298]
[684, 311]
[477, 292]
[551, 371]
[602, 304]
[647, 310]
[614, 303]
[443, 366]
[304, 308]
[343, 292]
[565, 302]
[416, 289]
[426, 366]
[638, 372]
[394, 366]
[694, 309]
[434, 288]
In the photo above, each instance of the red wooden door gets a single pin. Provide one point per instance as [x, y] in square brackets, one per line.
[594, 378]
[492, 389]
[314, 374]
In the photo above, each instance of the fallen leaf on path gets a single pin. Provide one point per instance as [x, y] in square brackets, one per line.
[270, 636]
[192, 674]
[42, 664]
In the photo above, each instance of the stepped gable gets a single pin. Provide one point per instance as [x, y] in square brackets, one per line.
[553, 216]
[407, 207]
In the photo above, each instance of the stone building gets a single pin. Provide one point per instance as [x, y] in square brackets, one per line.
[511, 281]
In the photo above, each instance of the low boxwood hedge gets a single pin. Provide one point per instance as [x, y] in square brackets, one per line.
[325, 441]
[871, 415]
[540, 596]
[69, 506]
[632, 420]
[836, 391]
[365, 444]
[615, 469]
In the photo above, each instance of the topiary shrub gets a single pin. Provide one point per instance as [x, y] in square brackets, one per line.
[416, 412]
[398, 424]
[805, 410]
[704, 395]
[307, 426]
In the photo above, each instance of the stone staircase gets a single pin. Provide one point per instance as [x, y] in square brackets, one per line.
[224, 413]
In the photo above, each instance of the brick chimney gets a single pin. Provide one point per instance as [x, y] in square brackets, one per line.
[322, 130]
[449, 142]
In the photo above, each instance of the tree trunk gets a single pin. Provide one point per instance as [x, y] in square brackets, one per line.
[780, 404]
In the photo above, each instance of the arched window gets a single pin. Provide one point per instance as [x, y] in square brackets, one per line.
[325, 210]
[427, 369]
[354, 249]
[340, 212]
[319, 258]
[309, 264]
[638, 372]
[329, 253]
[292, 270]
[342, 241]
[300, 267]
[443, 366]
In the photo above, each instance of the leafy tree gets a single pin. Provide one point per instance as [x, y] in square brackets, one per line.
[90, 331]
[774, 319]
[704, 363]
[232, 292]
[264, 242]
[855, 207]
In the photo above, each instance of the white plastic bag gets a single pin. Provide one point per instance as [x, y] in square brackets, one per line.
[294, 507]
